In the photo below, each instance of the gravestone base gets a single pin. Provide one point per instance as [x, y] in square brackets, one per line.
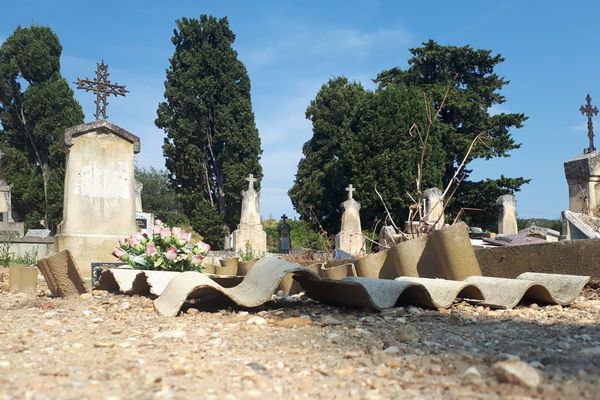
[88, 248]
[255, 237]
[350, 242]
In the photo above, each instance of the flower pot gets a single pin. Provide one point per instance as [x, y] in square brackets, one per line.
[289, 286]
[229, 266]
[209, 268]
[338, 271]
[376, 265]
[245, 266]
[23, 278]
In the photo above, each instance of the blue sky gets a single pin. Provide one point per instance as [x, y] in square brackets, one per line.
[291, 48]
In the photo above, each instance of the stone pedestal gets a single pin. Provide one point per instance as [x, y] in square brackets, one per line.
[250, 231]
[583, 178]
[350, 239]
[507, 215]
[100, 191]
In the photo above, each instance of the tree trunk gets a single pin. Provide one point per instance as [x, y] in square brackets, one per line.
[40, 160]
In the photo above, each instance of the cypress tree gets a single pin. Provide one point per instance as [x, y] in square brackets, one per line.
[211, 141]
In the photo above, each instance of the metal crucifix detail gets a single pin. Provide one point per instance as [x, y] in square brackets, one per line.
[102, 88]
[589, 111]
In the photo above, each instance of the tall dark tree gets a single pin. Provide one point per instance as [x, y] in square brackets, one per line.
[211, 142]
[474, 89]
[324, 170]
[375, 147]
[36, 105]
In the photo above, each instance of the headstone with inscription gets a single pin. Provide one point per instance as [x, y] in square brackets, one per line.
[99, 191]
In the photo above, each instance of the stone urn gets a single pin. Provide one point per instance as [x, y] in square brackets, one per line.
[23, 278]
[245, 266]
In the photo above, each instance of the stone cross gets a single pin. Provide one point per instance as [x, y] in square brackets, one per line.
[589, 112]
[284, 218]
[251, 179]
[350, 190]
[102, 88]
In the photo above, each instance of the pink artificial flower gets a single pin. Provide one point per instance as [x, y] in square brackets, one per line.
[122, 241]
[197, 259]
[165, 233]
[150, 249]
[182, 235]
[171, 254]
[203, 247]
[134, 241]
[158, 222]
[176, 231]
[118, 252]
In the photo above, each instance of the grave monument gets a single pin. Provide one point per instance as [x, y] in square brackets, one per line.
[250, 229]
[581, 220]
[507, 215]
[7, 224]
[100, 189]
[285, 241]
[434, 207]
[350, 239]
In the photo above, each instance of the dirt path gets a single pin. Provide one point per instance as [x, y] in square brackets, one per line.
[109, 346]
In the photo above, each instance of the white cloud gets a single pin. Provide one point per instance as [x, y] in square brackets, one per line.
[311, 42]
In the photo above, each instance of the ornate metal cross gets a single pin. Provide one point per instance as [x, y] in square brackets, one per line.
[102, 88]
[251, 179]
[284, 218]
[589, 111]
[350, 190]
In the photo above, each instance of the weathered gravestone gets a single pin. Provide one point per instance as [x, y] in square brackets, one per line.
[100, 191]
[285, 241]
[507, 215]
[434, 207]
[250, 231]
[350, 239]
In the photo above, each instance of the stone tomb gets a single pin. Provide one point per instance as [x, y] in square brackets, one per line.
[100, 191]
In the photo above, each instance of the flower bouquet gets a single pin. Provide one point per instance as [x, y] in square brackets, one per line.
[167, 249]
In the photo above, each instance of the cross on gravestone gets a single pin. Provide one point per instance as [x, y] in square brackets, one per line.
[251, 179]
[589, 112]
[284, 218]
[350, 190]
[102, 88]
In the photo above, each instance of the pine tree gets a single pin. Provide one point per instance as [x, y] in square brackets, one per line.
[36, 105]
[211, 142]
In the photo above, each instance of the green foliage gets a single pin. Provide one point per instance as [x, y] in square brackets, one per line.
[5, 254]
[205, 219]
[482, 195]
[26, 259]
[369, 138]
[211, 142]
[159, 198]
[555, 224]
[301, 233]
[36, 105]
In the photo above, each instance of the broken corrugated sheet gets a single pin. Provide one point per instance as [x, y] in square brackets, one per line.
[255, 289]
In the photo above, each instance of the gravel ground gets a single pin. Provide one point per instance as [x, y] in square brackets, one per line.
[106, 346]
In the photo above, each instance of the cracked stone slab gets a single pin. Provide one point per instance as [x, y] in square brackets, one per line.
[255, 289]
[62, 275]
[444, 292]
